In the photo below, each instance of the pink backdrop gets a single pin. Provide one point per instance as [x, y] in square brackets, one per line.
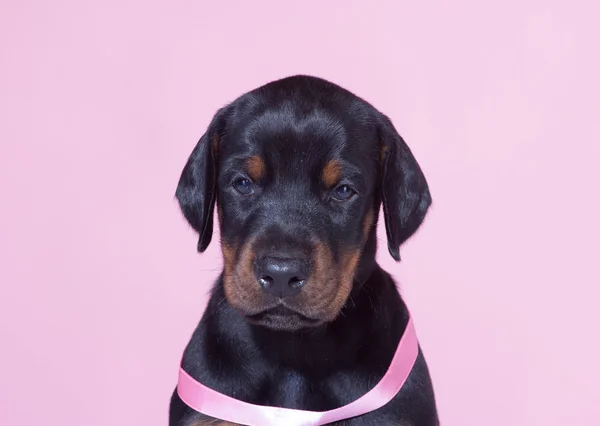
[101, 102]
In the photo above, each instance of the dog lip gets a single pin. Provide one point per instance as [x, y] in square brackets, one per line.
[282, 310]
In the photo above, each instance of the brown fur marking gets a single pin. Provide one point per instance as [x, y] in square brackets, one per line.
[323, 263]
[239, 282]
[229, 265]
[382, 153]
[228, 256]
[332, 282]
[368, 223]
[245, 269]
[256, 168]
[348, 266]
[332, 172]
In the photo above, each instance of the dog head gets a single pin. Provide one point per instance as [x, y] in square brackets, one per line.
[298, 169]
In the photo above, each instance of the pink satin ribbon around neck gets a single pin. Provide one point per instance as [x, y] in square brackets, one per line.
[222, 407]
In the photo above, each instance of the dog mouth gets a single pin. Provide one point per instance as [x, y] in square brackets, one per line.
[283, 318]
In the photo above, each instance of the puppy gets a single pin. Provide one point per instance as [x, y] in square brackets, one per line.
[302, 315]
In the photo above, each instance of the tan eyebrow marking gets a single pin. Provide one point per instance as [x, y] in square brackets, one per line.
[332, 173]
[256, 167]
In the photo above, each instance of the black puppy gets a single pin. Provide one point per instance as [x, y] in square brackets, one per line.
[303, 316]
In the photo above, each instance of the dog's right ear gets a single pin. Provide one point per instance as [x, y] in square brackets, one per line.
[405, 192]
[197, 188]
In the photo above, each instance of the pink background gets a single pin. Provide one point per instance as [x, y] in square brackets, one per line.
[101, 103]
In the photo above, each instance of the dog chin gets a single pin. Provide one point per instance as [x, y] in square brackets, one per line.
[283, 319]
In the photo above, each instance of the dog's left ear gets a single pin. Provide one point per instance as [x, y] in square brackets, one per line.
[197, 188]
[404, 190]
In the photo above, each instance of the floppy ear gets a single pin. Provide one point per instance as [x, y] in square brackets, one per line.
[405, 193]
[197, 188]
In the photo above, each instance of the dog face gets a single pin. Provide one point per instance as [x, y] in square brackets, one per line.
[298, 169]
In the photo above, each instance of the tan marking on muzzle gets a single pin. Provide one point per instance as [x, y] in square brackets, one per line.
[348, 265]
[228, 256]
[240, 285]
[332, 283]
[323, 265]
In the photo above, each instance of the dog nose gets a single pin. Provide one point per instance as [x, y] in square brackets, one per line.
[282, 277]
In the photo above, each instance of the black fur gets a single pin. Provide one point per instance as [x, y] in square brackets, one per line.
[305, 359]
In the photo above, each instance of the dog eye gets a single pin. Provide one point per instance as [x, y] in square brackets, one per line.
[343, 192]
[243, 186]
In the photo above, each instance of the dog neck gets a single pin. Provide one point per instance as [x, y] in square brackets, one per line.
[220, 400]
